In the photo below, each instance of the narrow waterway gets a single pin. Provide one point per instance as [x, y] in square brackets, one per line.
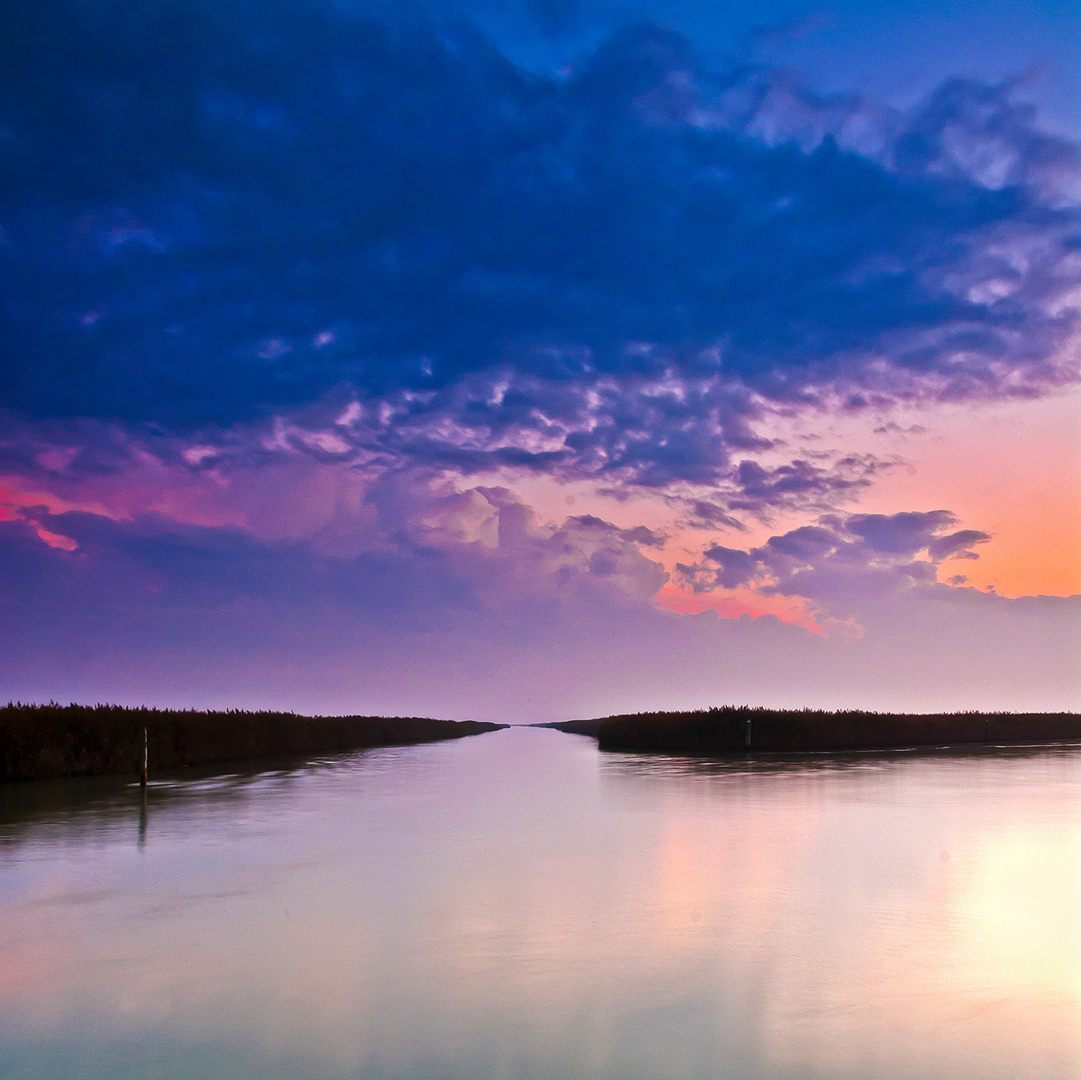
[519, 906]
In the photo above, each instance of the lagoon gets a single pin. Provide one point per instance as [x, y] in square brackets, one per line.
[519, 905]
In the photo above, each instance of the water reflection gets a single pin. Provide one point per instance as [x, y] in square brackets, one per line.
[656, 765]
[908, 914]
[82, 809]
[518, 905]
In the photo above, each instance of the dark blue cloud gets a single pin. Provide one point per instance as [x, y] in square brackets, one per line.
[218, 213]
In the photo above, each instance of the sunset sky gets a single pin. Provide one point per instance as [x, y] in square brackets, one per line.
[534, 359]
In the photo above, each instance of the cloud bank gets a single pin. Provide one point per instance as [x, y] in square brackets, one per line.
[841, 559]
[363, 244]
[239, 230]
[474, 608]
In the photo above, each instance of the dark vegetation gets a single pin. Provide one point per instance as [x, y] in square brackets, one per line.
[742, 729]
[38, 742]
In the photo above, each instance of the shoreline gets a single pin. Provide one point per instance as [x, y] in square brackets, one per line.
[729, 730]
[45, 742]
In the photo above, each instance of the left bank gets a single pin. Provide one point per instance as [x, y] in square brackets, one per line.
[40, 742]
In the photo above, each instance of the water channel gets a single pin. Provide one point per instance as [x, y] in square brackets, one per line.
[519, 906]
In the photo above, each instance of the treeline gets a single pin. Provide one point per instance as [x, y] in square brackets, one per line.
[38, 742]
[742, 729]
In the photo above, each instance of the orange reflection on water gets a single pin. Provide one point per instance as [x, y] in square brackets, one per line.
[521, 905]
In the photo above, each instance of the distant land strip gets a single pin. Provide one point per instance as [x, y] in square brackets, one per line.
[746, 729]
[39, 742]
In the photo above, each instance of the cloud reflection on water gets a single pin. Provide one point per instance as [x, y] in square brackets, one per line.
[518, 905]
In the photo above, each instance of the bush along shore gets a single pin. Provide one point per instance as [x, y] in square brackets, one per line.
[38, 742]
[743, 729]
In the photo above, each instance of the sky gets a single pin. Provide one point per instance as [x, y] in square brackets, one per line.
[534, 359]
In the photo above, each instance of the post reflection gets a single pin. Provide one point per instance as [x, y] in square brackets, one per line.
[142, 817]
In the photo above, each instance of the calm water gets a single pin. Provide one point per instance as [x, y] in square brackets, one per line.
[517, 905]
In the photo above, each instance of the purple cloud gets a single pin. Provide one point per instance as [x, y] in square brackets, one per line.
[901, 534]
[843, 562]
[295, 271]
[468, 607]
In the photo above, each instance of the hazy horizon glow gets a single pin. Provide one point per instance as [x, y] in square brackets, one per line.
[523, 360]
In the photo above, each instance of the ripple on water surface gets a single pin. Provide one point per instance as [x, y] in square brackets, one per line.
[518, 905]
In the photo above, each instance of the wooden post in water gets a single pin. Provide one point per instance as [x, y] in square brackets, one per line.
[747, 736]
[142, 778]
